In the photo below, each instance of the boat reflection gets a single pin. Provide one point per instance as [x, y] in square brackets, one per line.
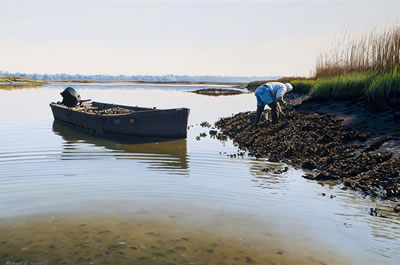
[160, 154]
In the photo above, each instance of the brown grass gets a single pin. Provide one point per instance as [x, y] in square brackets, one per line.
[374, 51]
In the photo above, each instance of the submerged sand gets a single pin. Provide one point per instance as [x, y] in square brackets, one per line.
[56, 239]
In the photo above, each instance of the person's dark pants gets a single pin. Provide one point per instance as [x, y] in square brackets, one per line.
[274, 112]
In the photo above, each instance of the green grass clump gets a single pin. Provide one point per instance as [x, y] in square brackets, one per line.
[302, 86]
[342, 87]
[375, 87]
[385, 87]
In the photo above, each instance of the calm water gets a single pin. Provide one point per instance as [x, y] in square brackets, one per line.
[68, 198]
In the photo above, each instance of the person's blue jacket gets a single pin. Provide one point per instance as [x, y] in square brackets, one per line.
[271, 92]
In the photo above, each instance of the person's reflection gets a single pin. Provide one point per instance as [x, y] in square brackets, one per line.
[168, 156]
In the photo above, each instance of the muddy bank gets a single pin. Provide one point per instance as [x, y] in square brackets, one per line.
[377, 121]
[324, 146]
[217, 92]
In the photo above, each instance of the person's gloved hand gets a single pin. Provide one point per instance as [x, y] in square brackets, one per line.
[280, 110]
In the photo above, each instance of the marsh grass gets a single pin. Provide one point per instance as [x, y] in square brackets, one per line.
[374, 87]
[341, 87]
[9, 79]
[13, 82]
[363, 66]
[385, 86]
[302, 86]
[375, 51]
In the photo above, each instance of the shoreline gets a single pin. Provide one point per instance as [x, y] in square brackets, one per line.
[16, 84]
[12, 81]
[345, 143]
[19, 81]
[151, 82]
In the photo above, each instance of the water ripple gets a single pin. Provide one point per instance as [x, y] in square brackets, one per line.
[46, 166]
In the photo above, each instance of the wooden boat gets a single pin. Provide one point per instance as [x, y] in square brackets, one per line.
[110, 119]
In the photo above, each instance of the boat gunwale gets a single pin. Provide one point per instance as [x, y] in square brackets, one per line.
[146, 110]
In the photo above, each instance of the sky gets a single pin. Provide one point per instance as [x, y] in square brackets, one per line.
[229, 38]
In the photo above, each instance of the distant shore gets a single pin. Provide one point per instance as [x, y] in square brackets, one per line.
[152, 82]
[19, 81]
[15, 80]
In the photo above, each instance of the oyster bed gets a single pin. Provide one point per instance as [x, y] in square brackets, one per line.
[217, 92]
[322, 145]
[109, 111]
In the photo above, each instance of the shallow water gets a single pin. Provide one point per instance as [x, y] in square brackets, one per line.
[59, 188]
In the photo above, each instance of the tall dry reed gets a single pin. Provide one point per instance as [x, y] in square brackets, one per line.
[374, 51]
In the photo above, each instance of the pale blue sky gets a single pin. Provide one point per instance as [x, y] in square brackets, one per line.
[237, 38]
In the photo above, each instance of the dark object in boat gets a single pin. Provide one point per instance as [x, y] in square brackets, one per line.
[71, 98]
[108, 119]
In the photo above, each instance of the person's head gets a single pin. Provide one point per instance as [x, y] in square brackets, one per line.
[289, 87]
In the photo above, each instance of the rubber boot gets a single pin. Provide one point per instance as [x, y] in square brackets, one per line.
[274, 112]
[260, 109]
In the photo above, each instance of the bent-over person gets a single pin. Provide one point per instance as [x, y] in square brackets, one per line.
[271, 94]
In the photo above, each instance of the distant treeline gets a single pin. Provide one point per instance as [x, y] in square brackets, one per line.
[202, 78]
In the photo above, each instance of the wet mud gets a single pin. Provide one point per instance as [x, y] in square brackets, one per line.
[377, 121]
[324, 147]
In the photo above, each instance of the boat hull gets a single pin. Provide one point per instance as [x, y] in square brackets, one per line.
[144, 122]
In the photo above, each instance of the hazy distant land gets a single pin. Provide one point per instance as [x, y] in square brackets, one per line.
[199, 79]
